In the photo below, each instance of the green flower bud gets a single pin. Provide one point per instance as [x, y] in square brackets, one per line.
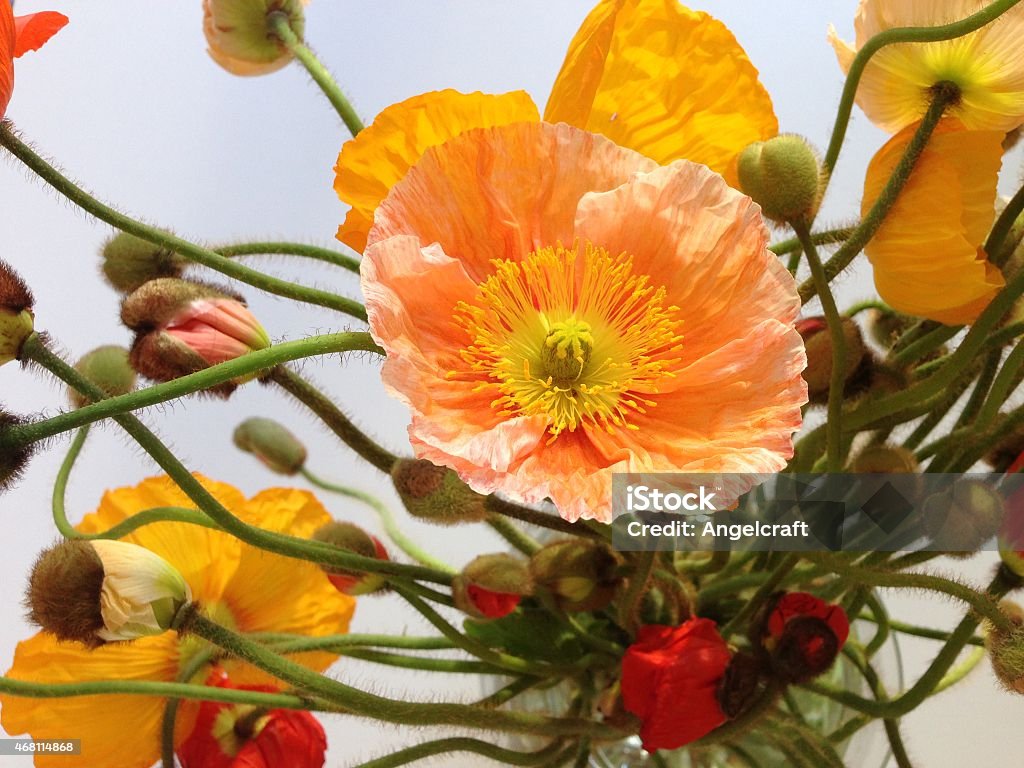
[103, 591]
[16, 319]
[885, 459]
[783, 176]
[108, 368]
[491, 586]
[581, 575]
[964, 516]
[1006, 648]
[271, 443]
[130, 261]
[818, 343]
[436, 494]
[239, 37]
[354, 539]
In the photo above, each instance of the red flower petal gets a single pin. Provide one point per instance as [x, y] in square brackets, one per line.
[31, 32]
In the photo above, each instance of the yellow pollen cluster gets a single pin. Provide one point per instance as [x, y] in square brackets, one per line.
[575, 337]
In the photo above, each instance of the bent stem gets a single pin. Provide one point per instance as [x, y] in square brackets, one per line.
[314, 252]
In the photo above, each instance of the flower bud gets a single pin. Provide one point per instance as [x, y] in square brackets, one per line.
[739, 686]
[436, 494]
[1008, 455]
[581, 575]
[491, 586]
[271, 443]
[818, 343]
[109, 369]
[130, 261]
[783, 176]
[884, 460]
[183, 326]
[16, 318]
[239, 36]
[1006, 648]
[14, 457]
[803, 634]
[104, 591]
[961, 518]
[885, 327]
[354, 539]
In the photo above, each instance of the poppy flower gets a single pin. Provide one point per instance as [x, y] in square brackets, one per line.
[927, 256]
[651, 75]
[805, 634]
[556, 308]
[241, 586]
[986, 65]
[670, 680]
[18, 36]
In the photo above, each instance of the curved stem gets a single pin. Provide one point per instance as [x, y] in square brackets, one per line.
[60, 485]
[513, 535]
[462, 744]
[280, 27]
[394, 532]
[770, 584]
[1002, 227]
[1002, 387]
[630, 602]
[190, 251]
[290, 249]
[540, 519]
[170, 718]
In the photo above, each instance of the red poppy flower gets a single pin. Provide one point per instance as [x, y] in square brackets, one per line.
[19, 35]
[670, 680]
[237, 736]
[492, 605]
[804, 633]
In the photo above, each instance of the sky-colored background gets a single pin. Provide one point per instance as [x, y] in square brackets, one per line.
[127, 101]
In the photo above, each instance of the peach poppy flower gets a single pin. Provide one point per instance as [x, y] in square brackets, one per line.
[237, 38]
[244, 587]
[18, 36]
[927, 255]
[987, 65]
[652, 75]
[556, 308]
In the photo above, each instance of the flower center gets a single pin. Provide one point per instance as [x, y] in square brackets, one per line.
[578, 338]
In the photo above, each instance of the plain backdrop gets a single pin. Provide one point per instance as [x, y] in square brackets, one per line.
[127, 101]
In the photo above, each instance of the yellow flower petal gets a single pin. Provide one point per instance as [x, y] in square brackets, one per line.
[927, 254]
[666, 81]
[988, 65]
[378, 158]
[116, 731]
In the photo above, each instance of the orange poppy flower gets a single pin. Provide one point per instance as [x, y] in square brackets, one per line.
[556, 308]
[244, 587]
[18, 36]
[652, 75]
[927, 255]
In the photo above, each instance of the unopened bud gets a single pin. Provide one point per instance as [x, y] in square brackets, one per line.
[272, 444]
[183, 326]
[130, 261]
[884, 460]
[961, 518]
[1006, 648]
[818, 343]
[491, 586]
[436, 494]
[239, 35]
[16, 319]
[104, 591]
[14, 455]
[783, 176]
[803, 634]
[740, 684]
[581, 575]
[1008, 455]
[109, 369]
[354, 539]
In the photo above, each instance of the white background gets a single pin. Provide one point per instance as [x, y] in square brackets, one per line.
[126, 100]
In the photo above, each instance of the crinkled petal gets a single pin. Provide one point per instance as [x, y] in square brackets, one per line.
[666, 81]
[377, 159]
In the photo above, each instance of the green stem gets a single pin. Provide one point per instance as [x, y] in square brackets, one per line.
[169, 722]
[767, 588]
[367, 704]
[837, 336]
[304, 250]
[924, 346]
[1002, 227]
[631, 600]
[394, 532]
[1002, 387]
[975, 21]
[279, 26]
[333, 418]
[425, 663]
[165, 239]
[340, 644]
[510, 533]
[944, 96]
[460, 744]
[540, 519]
[505, 694]
[248, 364]
[60, 485]
[792, 245]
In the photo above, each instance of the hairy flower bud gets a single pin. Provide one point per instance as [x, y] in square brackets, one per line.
[239, 36]
[16, 319]
[1006, 648]
[961, 518]
[354, 539]
[783, 176]
[491, 586]
[885, 327]
[581, 575]
[104, 591]
[436, 494]
[14, 456]
[183, 326]
[818, 343]
[272, 444]
[885, 459]
[130, 261]
[107, 367]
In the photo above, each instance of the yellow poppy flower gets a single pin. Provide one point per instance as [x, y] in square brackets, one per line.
[987, 65]
[244, 587]
[651, 75]
[927, 254]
